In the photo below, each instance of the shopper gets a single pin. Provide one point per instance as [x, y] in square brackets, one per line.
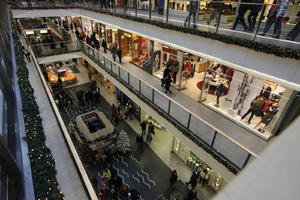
[119, 53]
[193, 180]
[295, 31]
[254, 10]
[104, 45]
[168, 80]
[77, 33]
[114, 51]
[175, 70]
[216, 7]
[103, 4]
[173, 178]
[275, 17]
[27, 55]
[97, 44]
[151, 128]
[106, 174]
[165, 74]
[149, 138]
[139, 140]
[143, 125]
[240, 18]
[114, 112]
[191, 195]
[194, 9]
[204, 177]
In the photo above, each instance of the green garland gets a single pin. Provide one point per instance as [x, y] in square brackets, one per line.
[41, 159]
[256, 46]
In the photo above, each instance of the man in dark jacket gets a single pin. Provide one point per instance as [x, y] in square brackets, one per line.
[104, 45]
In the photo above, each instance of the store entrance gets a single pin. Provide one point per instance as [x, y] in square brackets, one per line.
[192, 75]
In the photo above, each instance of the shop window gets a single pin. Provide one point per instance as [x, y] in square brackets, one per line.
[250, 100]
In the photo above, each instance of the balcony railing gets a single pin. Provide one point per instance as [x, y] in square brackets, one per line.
[250, 21]
[203, 134]
[55, 48]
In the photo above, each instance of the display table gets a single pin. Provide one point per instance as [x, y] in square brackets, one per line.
[97, 130]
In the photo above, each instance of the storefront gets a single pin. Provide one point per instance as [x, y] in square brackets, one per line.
[251, 101]
[215, 180]
[167, 147]
[125, 43]
[101, 80]
[141, 54]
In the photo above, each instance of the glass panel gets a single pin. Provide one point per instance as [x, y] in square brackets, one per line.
[134, 82]
[201, 130]
[108, 63]
[1, 112]
[161, 101]
[146, 91]
[115, 69]
[230, 150]
[124, 75]
[179, 114]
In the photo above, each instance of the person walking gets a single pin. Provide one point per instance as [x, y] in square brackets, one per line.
[168, 81]
[254, 10]
[104, 45]
[151, 128]
[275, 17]
[103, 4]
[192, 195]
[114, 51]
[114, 112]
[173, 178]
[193, 180]
[240, 18]
[295, 31]
[165, 74]
[175, 70]
[194, 9]
[143, 127]
[119, 53]
[27, 55]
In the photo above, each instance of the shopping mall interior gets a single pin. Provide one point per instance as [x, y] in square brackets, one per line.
[149, 100]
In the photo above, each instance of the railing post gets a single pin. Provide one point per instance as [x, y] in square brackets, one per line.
[139, 86]
[136, 8]
[214, 138]
[152, 95]
[167, 14]
[150, 10]
[189, 17]
[128, 78]
[259, 22]
[169, 106]
[219, 17]
[189, 121]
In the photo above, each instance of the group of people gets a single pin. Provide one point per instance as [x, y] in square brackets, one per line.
[112, 186]
[169, 75]
[253, 7]
[196, 178]
[91, 96]
[151, 131]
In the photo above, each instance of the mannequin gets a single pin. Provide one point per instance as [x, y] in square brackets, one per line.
[256, 107]
[270, 113]
[266, 91]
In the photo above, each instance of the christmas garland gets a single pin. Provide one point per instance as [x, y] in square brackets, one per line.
[42, 162]
[256, 46]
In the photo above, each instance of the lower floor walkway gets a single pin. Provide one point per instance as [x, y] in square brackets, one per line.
[67, 176]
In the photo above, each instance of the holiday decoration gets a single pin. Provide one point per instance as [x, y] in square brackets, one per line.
[123, 144]
[41, 159]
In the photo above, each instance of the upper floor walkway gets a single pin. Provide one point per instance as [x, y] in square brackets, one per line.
[278, 63]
